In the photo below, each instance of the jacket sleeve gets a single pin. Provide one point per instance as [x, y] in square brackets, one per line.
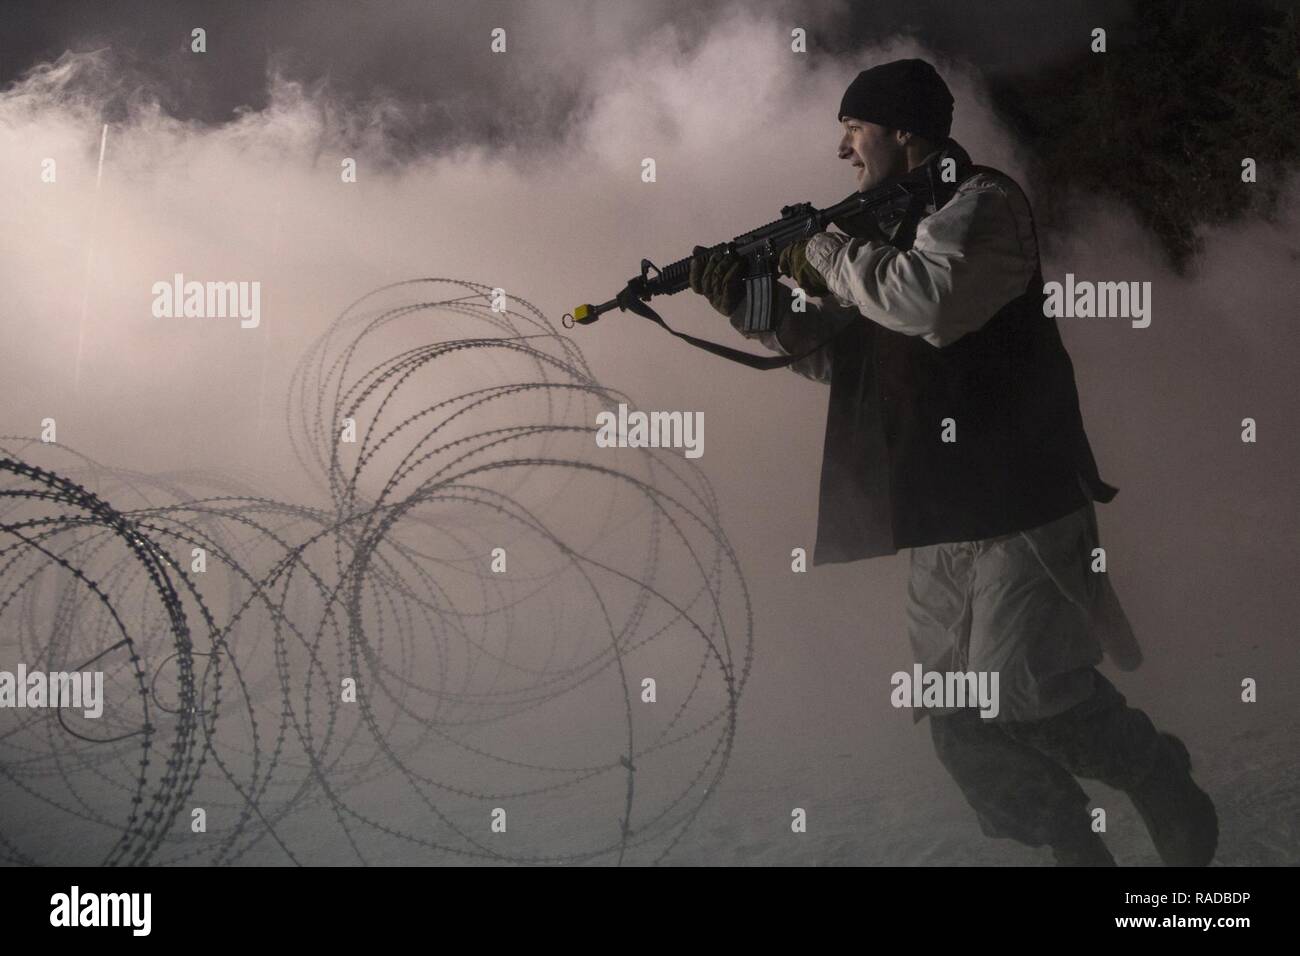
[799, 331]
[970, 258]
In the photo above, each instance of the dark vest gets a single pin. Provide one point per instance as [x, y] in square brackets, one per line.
[1021, 457]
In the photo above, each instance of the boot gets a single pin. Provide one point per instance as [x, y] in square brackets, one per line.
[1178, 814]
[1081, 846]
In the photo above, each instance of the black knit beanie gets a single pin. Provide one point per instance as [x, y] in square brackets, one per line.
[905, 94]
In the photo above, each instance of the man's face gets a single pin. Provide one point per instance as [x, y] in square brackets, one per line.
[874, 151]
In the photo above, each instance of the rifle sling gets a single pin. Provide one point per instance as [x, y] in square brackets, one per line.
[629, 300]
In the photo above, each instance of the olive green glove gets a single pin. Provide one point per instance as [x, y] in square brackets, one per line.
[793, 262]
[720, 278]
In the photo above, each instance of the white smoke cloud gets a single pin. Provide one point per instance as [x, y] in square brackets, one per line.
[739, 126]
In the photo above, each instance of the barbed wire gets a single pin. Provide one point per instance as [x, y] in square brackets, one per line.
[497, 588]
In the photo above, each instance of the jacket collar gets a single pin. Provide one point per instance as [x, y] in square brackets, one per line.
[933, 166]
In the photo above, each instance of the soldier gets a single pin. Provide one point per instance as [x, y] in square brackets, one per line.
[934, 328]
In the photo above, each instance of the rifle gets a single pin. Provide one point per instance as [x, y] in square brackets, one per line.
[884, 207]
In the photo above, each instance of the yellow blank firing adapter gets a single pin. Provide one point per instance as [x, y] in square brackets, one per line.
[581, 315]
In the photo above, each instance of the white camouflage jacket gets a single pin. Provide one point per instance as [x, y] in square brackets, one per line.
[969, 259]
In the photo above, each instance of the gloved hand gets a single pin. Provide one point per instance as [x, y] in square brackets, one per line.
[720, 278]
[793, 262]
